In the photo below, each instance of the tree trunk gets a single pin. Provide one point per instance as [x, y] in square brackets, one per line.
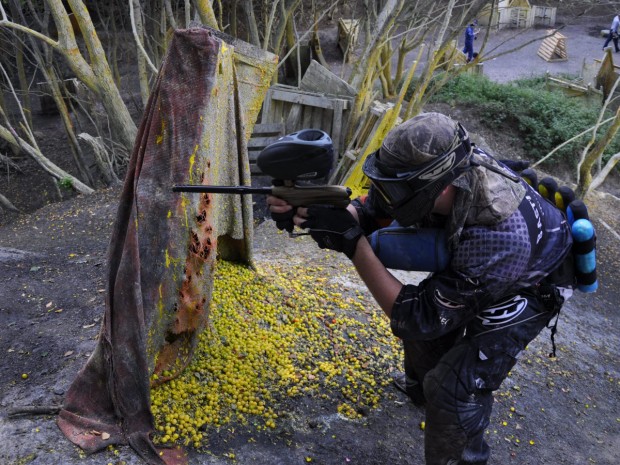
[21, 73]
[97, 76]
[6, 203]
[58, 94]
[248, 10]
[585, 170]
[169, 14]
[207, 16]
[188, 12]
[142, 67]
[44, 162]
[285, 26]
[384, 23]
[365, 71]
[600, 177]
[436, 54]
[232, 12]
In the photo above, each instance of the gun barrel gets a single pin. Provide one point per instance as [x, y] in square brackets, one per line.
[201, 189]
[297, 196]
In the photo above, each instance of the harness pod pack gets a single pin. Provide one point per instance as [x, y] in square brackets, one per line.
[582, 229]
[584, 246]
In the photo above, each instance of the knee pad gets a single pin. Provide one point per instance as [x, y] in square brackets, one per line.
[452, 394]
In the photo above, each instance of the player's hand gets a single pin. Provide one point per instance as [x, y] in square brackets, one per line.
[331, 227]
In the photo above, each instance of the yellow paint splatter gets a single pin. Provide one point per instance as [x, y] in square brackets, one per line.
[192, 161]
[160, 137]
[160, 302]
[184, 203]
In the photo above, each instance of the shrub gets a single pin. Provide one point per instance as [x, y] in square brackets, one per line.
[544, 119]
[66, 183]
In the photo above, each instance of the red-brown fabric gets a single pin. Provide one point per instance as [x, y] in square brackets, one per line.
[161, 254]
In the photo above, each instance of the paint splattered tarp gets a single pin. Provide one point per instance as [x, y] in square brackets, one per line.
[163, 247]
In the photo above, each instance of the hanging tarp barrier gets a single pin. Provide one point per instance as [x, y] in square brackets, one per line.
[163, 247]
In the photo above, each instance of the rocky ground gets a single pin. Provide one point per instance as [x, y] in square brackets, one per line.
[548, 412]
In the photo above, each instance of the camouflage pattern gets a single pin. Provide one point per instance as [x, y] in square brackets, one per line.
[483, 198]
[418, 140]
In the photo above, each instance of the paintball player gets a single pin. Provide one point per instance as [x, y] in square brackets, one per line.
[509, 273]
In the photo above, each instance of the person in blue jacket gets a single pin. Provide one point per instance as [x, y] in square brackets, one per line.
[470, 36]
[462, 328]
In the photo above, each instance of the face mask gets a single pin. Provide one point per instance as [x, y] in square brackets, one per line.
[410, 196]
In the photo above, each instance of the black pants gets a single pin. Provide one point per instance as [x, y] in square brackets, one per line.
[611, 37]
[461, 370]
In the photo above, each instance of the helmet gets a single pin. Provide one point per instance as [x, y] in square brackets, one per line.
[413, 167]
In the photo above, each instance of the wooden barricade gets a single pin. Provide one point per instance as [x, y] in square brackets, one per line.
[607, 74]
[544, 15]
[298, 109]
[517, 14]
[262, 136]
[321, 80]
[553, 48]
[521, 17]
[348, 31]
[574, 88]
[68, 88]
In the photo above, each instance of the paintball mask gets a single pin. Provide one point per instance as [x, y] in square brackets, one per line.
[410, 196]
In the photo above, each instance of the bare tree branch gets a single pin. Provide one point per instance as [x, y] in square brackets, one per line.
[600, 177]
[6, 203]
[4, 22]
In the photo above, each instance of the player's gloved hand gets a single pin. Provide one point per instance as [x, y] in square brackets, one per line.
[284, 221]
[333, 228]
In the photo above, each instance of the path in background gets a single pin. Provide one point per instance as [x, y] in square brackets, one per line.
[583, 42]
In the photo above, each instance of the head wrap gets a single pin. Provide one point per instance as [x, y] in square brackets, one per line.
[483, 198]
[418, 140]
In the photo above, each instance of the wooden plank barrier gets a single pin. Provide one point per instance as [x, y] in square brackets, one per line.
[608, 74]
[348, 31]
[298, 109]
[553, 48]
[262, 136]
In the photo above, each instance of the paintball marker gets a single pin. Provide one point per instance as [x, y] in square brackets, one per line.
[303, 155]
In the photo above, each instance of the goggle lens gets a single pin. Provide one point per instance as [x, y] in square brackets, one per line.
[393, 192]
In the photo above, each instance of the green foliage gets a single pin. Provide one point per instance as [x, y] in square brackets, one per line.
[66, 183]
[543, 119]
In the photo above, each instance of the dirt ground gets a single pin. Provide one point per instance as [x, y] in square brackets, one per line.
[549, 411]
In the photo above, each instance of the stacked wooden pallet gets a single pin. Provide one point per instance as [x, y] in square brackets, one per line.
[553, 48]
[298, 109]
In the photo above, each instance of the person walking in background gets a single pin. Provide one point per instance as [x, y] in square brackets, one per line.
[470, 36]
[613, 33]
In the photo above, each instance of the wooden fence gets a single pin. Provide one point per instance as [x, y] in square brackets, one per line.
[297, 109]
